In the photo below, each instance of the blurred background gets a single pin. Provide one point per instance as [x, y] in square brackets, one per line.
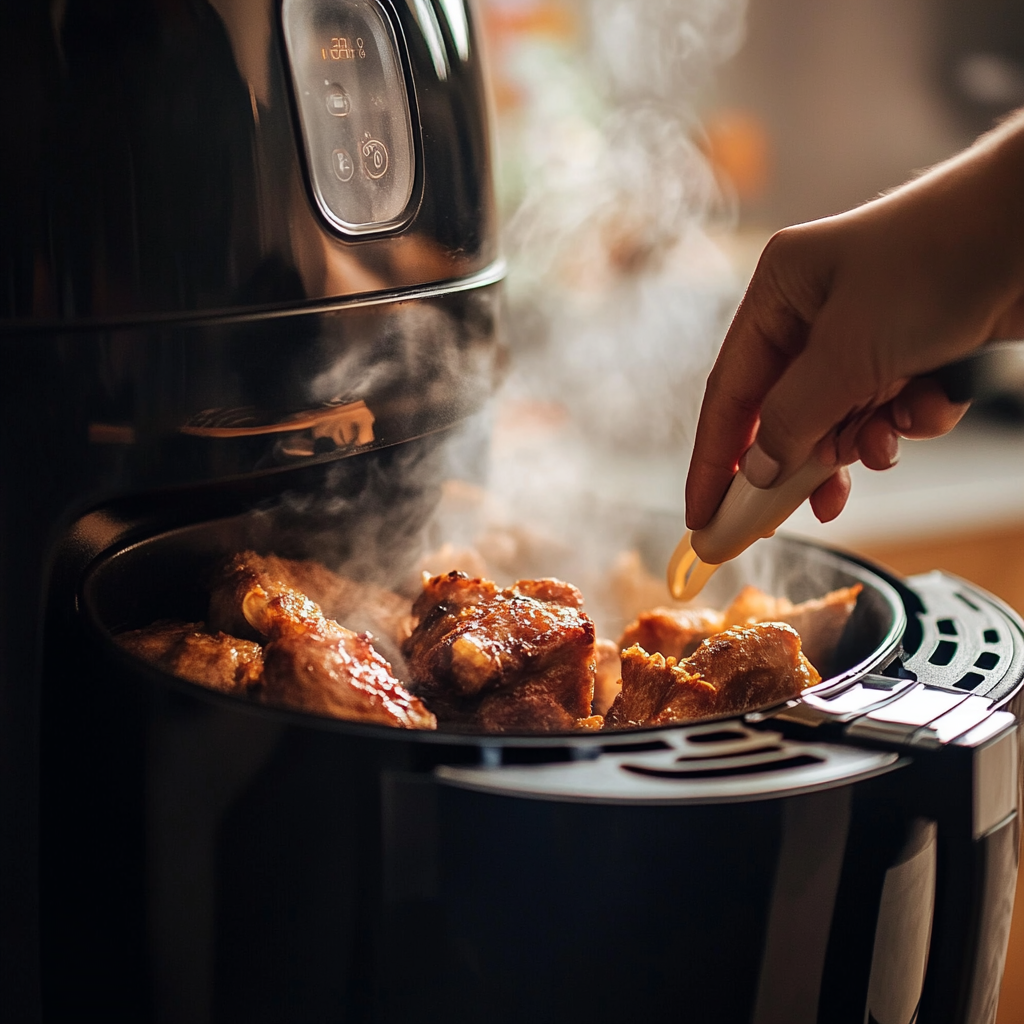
[647, 152]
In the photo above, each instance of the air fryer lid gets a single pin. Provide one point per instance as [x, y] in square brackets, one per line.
[165, 576]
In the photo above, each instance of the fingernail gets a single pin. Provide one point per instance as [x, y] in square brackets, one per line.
[893, 450]
[901, 417]
[759, 468]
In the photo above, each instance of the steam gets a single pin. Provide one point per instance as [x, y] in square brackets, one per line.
[617, 301]
[618, 297]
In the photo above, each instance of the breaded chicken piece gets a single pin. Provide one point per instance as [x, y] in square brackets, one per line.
[311, 662]
[740, 669]
[499, 660]
[185, 649]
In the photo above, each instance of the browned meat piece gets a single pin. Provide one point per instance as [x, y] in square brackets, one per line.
[674, 632]
[184, 649]
[820, 622]
[608, 676]
[520, 659]
[649, 683]
[339, 674]
[311, 662]
[359, 606]
[751, 604]
[677, 632]
[749, 667]
[734, 671]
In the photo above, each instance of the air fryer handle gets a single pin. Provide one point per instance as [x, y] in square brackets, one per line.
[978, 858]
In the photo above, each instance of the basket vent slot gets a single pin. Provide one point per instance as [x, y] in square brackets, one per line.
[641, 747]
[991, 636]
[772, 749]
[946, 626]
[987, 660]
[943, 653]
[969, 681]
[718, 736]
[797, 761]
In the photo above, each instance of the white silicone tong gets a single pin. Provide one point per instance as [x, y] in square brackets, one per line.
[747, 514]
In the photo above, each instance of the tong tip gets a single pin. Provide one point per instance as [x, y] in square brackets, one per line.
[687, 574]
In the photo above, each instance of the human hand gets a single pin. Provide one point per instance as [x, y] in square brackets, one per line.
[829, 353]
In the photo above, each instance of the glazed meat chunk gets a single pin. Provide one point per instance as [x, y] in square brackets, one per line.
[499, 660]
[734, 671]
[185, 649]
[310, 661]
[677, 632]
[361, 606]
[673, 632]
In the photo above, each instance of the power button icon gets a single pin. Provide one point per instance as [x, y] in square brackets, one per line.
[375, 158]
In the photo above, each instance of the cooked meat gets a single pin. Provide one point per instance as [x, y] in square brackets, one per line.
[750, 605]
[310, 661]
[749, 666]
[674, 632]
[649, 682]
[519, 659]
[185, 649]
[608, 676]
[677, 632]
[359, 606]
[734, 671]
[820, 622]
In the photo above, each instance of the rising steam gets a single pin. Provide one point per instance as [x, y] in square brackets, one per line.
[618, 297]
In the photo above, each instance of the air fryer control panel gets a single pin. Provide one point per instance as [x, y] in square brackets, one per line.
[354, 111]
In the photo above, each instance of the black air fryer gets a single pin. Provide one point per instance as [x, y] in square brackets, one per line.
[249, 301]
[239, 242]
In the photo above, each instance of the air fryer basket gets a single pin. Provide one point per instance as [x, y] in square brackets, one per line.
[165, 576]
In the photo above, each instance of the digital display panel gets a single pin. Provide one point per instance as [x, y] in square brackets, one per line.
[353, 110]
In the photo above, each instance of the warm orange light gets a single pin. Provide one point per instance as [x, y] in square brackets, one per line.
[739, 149]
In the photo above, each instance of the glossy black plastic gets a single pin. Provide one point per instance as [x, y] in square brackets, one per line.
[152, 163]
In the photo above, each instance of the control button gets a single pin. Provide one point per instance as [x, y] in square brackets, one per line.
[375, 158]
[338, 102]
[343, 165]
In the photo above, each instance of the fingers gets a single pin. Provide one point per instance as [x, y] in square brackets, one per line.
[831, 388]
[878, 443]
[922, 410]
[830, 498]
[765, 334]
